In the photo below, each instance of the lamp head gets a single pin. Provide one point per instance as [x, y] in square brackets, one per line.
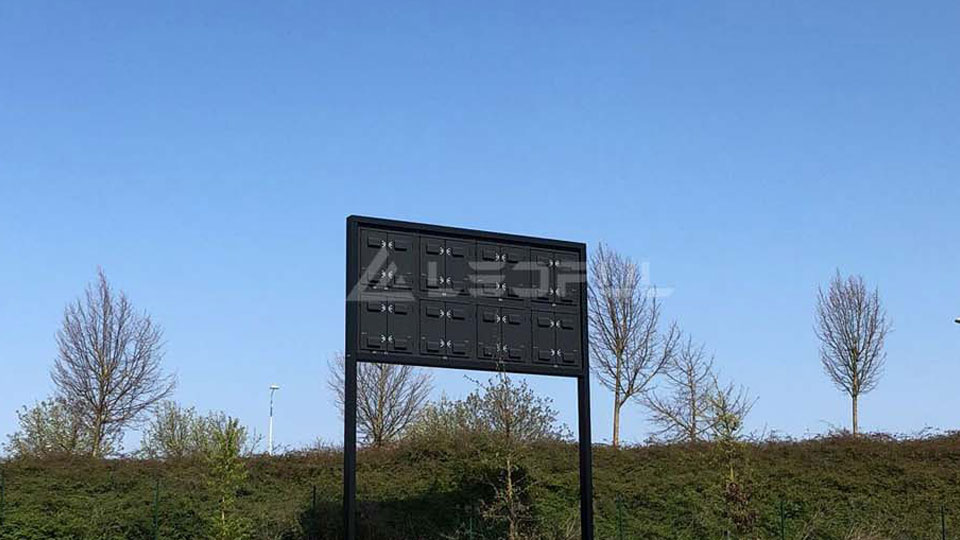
[274, 387]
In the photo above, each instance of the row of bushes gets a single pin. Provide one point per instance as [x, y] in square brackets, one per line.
[827, 488]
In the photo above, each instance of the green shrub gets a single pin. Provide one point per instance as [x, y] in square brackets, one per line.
[831, 488]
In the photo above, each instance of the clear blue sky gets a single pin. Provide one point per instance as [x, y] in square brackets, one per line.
[207, 154]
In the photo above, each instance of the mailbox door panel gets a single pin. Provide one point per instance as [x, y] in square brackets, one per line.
[489, 270]
[488, 333]
[515, 329]
[544, 337]
[402, 324]
[432, 262]
[403, 259]
[567, 276]
[516, 271]
[542, 275]
[460, 257]
[374, 257]
[460, 329]
[373, 324]
[432, 315]
[568, 338]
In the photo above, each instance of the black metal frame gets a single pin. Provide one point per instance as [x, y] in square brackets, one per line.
[352, 355]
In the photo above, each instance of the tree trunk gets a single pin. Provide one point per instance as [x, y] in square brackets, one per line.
[616, 419]
[97, 441]
[856, 426]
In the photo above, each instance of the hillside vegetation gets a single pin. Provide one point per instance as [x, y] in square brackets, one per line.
[873, 487]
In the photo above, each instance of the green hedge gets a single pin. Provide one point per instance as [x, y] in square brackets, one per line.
[829, 488]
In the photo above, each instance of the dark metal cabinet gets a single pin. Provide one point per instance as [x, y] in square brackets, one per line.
[515, 334]
[373, 324]
[557, 277]
[388, 261]
[447, 329]
[556, 338]
[544, 337]
[567, 326]
[503, 334]
[542, 275]
[402, 324]
[387, 325]
[490, 276]
[516, 271]
[503, 271]
[488, 333]
[567, 276]
[446, 266]
[446, 297]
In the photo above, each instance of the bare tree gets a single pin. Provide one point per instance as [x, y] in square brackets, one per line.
[108, 367]
[628, 347]
[683, 412]
[389, 397]
[852, 326]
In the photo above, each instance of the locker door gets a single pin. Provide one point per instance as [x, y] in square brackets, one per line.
[373, 324]
[489, 270]
[567, 278]
[544, 338]
[402, 324]
[374, 258]
[488, 333]
[431, 327]
[542, 275]
[460, 330]
[431, 264]
[515, 329]
[460, 258]
[403, 259]
[568, 338]
[516, 271]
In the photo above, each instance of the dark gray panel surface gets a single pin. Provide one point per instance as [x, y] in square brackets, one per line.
[457, 298]
[373, 324]
[515, 334]
[402, 325]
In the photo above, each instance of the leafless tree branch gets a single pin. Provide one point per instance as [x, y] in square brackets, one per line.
[108, 369]
[852, 327]
[683, 412]
[627, 346]
[389, 397]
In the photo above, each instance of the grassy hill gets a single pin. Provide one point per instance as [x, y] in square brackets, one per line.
[840, 488]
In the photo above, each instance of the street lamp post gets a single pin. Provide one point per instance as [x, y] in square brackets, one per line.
[273, 388]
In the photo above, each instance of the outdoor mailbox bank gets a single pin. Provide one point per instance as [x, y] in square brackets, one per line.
[436, 296]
